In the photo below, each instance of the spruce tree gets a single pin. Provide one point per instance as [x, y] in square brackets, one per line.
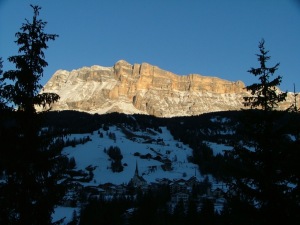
[29, 158]
[261, 177]
[265, 93]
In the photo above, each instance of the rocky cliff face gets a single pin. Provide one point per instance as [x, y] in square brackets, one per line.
[142, 88]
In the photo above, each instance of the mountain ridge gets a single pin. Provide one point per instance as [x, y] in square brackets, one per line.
[143, 89]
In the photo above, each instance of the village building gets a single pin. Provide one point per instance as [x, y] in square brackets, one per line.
[137, 180]
[163, 181]
[179, 186]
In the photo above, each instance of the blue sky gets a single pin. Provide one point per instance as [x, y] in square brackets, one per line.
[208, 37]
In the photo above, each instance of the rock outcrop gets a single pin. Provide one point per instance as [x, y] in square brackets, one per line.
[144, 89]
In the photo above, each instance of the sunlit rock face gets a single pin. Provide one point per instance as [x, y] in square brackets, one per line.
[143, 89]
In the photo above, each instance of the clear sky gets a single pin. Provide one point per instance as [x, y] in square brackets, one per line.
[208, 37]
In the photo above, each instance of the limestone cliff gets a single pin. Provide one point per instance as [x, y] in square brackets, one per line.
[142, 88]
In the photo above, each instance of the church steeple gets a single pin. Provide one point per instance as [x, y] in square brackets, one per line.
[137, 181]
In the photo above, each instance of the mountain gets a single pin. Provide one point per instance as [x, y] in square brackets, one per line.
[142, 89]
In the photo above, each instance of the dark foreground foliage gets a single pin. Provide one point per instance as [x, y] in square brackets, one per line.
[148, 208]
[30, 160]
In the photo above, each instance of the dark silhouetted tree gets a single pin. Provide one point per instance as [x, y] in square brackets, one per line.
[179, 213]
[116, 156]
[2, 103]
[29, 158]
[192, 216]
[207, 213]
[72, 163]
[265, 93]
[261, 175]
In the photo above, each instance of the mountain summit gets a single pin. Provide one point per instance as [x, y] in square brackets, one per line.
[143, 89]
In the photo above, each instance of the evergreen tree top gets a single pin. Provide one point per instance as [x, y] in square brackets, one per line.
[265, 93]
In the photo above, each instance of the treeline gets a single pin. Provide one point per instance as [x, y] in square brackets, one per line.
[151, 208]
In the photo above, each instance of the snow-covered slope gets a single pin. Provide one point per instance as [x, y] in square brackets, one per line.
[150, 141]
[135, 144]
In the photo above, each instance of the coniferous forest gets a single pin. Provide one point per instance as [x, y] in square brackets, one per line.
[261, 169]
